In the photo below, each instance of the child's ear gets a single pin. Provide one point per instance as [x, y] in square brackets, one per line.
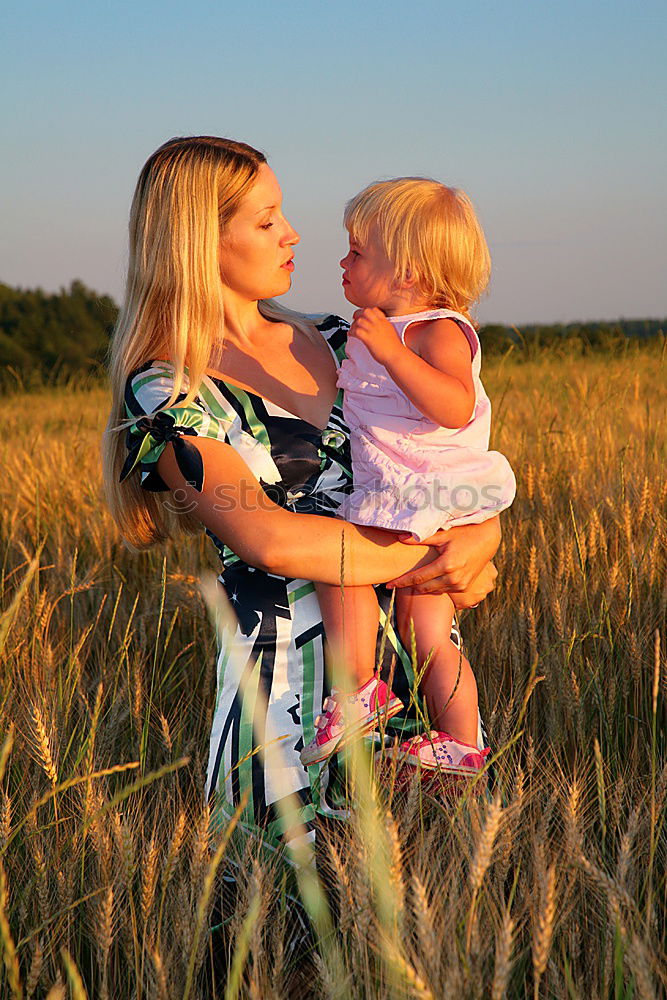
[405, 283]
[409, 281]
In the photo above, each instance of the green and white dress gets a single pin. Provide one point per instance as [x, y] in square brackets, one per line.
[276, 649]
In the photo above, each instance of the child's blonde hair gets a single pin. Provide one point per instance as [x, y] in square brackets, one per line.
[429, 232]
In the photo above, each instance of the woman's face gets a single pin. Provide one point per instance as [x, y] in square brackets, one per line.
[256, 247]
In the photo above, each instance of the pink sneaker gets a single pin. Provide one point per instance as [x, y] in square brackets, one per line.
[439, 752]
[345, 717]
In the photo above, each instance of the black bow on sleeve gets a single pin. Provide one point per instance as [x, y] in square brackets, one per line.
[161, 428]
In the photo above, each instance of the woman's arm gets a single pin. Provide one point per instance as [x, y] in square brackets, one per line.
[236, 509]
[464, 563]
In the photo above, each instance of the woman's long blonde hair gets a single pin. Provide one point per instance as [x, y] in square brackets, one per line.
[187, 192]
[428, 231]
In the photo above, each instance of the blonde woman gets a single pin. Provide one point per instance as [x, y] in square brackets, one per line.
[419, 419]
[225, 407]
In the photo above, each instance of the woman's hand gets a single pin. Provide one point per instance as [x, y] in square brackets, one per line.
[478, 589]
[463, 566]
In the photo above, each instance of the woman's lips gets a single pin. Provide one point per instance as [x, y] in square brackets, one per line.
[288, 265]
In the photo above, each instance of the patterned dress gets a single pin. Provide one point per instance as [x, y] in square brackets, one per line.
[270, 670]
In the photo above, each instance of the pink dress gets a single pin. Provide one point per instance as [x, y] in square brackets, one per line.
[411, 474]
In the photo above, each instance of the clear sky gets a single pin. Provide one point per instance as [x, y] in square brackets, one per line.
[551, 115]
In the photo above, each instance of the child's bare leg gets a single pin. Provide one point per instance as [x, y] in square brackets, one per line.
[448, 685]
[354, 645]
[353, 708]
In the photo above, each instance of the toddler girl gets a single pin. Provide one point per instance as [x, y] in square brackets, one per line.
[419, 423]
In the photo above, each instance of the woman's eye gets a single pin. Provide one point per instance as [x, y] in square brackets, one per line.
[267, 225]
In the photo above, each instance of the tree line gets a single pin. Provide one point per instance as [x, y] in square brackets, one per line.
[67, 332]
[595, 336]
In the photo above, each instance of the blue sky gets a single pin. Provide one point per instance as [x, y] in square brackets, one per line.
[551, 116]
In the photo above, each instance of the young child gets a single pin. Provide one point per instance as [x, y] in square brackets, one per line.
[419, 422]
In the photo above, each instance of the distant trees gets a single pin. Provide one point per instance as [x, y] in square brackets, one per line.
[571, 338]
[68, 332]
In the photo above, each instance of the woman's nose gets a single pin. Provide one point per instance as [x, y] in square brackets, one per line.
[291, 237]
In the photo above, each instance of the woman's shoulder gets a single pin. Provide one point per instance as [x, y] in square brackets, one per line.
[149, 387]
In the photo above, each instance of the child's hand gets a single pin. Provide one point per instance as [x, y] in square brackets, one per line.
[373, 329]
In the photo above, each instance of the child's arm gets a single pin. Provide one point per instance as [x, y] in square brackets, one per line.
[439, 382]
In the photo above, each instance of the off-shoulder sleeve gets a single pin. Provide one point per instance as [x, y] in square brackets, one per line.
[335, 330]
[146, 392]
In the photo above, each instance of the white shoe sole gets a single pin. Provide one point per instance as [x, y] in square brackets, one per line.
[365, 725]
[402, 755]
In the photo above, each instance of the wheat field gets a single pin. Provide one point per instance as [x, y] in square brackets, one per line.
[552, 883]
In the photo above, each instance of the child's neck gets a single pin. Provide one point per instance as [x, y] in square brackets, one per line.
[406, 307]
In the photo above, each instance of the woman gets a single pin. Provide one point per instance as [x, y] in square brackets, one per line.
[200, 351]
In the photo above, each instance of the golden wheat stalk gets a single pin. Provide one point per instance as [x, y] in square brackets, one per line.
[148, 880]
[105, 925]
[207, 891]
[73, 977]
[625, 850]
[5, 819]
[105, 938]
[544, 925]
[425, 922]
[347, 904]
[57, 991]
[482, 858]
[503, 965]
[616, 893]
[572, 818]
[484, 845]
[166, 733]
[160, 974]
[405, 970]
[43, 744]
[35, 971]
[641, 969]
[10, 956]
[395, 872]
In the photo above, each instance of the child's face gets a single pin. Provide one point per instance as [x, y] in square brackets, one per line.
[368, 274]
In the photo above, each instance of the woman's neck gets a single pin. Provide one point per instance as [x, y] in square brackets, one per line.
[244, 324]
